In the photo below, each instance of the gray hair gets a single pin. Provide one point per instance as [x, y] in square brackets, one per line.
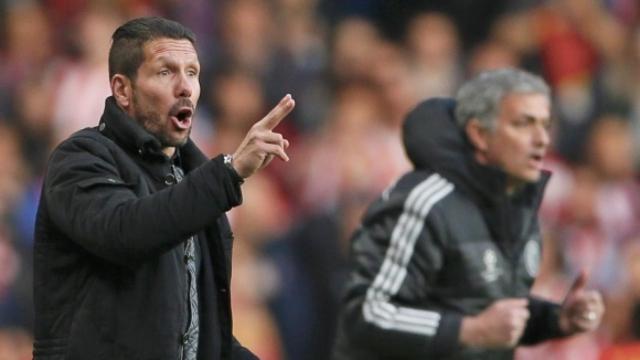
[480, 97]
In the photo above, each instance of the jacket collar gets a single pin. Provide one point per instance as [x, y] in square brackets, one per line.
[491, 184]
[434, 141]
[126, 132]
[130, 135]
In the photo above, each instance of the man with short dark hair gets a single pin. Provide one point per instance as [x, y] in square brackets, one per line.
[445, 258]
[133, 248]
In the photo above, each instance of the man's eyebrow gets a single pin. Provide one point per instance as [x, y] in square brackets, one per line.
[545, 120]
[533, 117]
[171, 60]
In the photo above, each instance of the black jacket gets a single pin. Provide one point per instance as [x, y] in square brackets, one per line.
[443, 242]
[109, 275]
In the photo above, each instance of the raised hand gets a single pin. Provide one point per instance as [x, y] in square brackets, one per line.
[582, 309]
[261, 144]
[501, 325]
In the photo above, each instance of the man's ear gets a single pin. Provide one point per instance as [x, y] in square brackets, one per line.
[122, 90]
[477, 135]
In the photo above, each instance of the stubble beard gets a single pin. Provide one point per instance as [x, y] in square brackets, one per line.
[152, 122]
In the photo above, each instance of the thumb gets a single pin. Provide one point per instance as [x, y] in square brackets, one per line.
[579, 284]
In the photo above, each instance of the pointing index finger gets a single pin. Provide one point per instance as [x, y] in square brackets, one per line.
[278, 113]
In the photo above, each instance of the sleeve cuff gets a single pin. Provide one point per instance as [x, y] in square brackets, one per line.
[543, 323]
[227, 160]
[229, 181]
[446, 339]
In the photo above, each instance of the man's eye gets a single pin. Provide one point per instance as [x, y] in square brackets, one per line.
[520, 123]
[164, 72]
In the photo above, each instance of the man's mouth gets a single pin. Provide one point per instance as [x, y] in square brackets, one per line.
[182, 118]
[536, 159]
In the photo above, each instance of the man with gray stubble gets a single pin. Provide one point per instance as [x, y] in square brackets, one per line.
[444, 260]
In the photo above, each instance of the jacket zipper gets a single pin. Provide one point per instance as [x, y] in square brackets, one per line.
[514, 275]
[178, 178]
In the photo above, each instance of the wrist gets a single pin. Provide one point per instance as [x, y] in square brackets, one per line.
[228, 162]
[470, 332]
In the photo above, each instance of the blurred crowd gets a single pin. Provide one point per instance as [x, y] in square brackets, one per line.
[355, 68]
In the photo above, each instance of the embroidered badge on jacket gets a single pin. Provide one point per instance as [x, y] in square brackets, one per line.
[532, 257]
[491, 270]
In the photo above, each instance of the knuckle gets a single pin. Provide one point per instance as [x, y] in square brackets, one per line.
[515, 323]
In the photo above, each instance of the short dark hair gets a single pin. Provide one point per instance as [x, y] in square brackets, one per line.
[126, 53]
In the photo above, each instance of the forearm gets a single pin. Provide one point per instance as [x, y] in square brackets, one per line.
[401, 331]
[110, 221]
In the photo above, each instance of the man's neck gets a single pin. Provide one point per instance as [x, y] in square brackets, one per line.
[514, 186]
[169, 151]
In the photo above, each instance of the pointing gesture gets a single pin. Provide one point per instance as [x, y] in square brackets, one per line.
[261, 144]
[276, 114]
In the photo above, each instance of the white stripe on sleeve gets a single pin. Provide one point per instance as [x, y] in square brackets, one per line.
[377, 309]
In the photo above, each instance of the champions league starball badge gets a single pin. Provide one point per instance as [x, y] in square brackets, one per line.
[491, 270]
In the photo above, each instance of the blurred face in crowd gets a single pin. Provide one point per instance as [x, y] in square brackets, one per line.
[432, 37]
[610, 148]
[166, 90]
[519, 141]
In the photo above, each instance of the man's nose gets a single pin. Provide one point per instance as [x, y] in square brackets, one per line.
[184, 87]
[541, 136]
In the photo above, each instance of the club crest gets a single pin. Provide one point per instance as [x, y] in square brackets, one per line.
[532, 257]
